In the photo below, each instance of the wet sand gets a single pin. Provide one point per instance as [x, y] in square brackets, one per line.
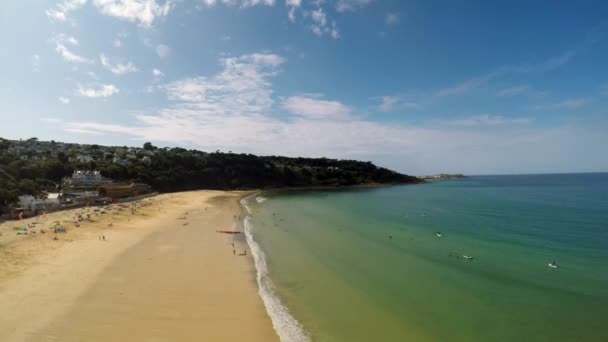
[163, 274]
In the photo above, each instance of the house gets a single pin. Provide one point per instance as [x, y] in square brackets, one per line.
[84, 158]
[120, 191]
[31, 203]
[82, 178]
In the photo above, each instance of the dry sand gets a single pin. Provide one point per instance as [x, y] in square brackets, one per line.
[163, 274]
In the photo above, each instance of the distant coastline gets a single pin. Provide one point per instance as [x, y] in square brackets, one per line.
[444, 176]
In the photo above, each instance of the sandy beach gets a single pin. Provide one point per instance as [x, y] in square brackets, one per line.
[156, 270]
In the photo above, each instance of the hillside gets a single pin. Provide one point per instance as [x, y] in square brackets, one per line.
[32, 167]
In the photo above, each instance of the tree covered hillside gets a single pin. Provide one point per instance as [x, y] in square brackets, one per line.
[33, 167]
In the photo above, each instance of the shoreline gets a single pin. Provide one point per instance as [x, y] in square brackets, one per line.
[285, 325]
[77, 286]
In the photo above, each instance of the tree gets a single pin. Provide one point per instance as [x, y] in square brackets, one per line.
[149, 147]
[4, 144]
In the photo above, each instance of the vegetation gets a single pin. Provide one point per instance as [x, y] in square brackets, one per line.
[33, 167]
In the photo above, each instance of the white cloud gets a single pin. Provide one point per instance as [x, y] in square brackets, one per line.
[241, 88]
[477, 82]
[292, 5]
[233, 110]
[515, 90]
[573, 103]
[103, 90]
[118, 69]
[163, 51]
[319, 17]
[35, 63]
[320, 24]
[390, 103]
[334, 31]
[117, 43]
[351, 5]
[487, 120]
[71, 57]
[61, 43]
[468, 85]
[59, 13]
[391, 18]
[143, 11]
[313, 108]
[64, 100]
[240, 3]
[157, 73]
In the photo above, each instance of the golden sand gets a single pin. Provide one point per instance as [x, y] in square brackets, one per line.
[163, 273]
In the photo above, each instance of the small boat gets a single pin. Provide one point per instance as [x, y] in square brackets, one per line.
[439, 234]
[467, 257]
[553, 264]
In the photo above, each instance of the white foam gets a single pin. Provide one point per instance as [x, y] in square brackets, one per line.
[261, 199]
[286, 326]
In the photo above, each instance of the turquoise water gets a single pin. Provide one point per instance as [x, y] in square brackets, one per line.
[336, 269]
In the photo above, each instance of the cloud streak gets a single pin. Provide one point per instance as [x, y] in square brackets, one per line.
[145, 12]
[103, 90]
[118, 68]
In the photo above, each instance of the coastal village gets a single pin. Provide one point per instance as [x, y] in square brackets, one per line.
[85, 186]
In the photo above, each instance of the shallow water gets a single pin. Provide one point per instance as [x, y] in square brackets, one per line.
[336, 268]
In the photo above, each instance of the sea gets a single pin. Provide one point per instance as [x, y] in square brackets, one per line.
[452, 260]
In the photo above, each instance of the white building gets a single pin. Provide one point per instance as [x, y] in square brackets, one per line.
[29, 202]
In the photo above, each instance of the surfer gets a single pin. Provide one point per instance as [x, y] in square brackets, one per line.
[553, 264]
[439, 234]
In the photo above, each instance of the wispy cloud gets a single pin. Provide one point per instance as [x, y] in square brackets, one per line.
[314, 108]
[573, 103]
[392, 18]
[476, 82]
[486, 120]
[468, 85]
[240, 3]
[241, 88]
[118, 68]
[64, 100]
[103, 90]
[59, 13]
[145, 12]
[515, 90]
[35, 63]
[351, 5]
[390, 103]
[293, 5]
[157, 73]
[163, 51]
[70, 56]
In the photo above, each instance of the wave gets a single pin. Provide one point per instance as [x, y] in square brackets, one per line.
[286, 326]
[261, 199]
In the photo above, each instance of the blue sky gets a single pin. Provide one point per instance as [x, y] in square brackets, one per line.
[417, 86]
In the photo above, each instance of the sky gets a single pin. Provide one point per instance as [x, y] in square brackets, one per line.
[421, 87]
